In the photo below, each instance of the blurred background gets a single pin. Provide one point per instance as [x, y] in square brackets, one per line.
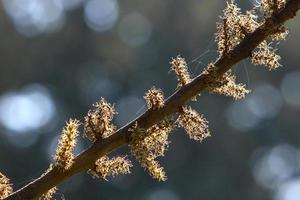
[58, 57]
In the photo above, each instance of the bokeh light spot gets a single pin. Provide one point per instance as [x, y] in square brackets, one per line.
[289, 190]
[275, 165]
[263, 103]
[33, 17]
[101, 15]
[135, 29]
[28, 110]
[290, 88]
[240, 118]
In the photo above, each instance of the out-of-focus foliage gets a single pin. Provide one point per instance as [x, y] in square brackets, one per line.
[59, 57]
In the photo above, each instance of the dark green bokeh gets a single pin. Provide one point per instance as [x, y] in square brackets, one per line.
[72, 64]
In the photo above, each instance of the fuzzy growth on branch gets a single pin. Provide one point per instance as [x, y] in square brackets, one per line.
[270, 7]
[224, 85]
[5, 187]
[235, 26]
[49, 195]
[105, 167]
[195, 125]
[64, 156]
[179, 66]
[98, 124]
[154, 98]
[147, 145]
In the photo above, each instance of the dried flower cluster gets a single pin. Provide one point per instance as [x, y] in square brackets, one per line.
[230, 88]
[154, 98]
[147, 145]
[179, 66]
[269, 7]
[49, 195]
[248, 22]
[235, 26]
[65, 150]
[224, 85]
[266, 55]
[281, 34]
[5, 187]
[105, 167]
[98, 121]
[98, 126]
[195, 125]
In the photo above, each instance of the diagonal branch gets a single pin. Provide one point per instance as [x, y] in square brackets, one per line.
[86, 159]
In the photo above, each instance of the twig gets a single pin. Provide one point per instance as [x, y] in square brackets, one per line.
[86, 159]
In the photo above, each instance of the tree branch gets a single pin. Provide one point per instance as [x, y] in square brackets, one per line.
[86, 159]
